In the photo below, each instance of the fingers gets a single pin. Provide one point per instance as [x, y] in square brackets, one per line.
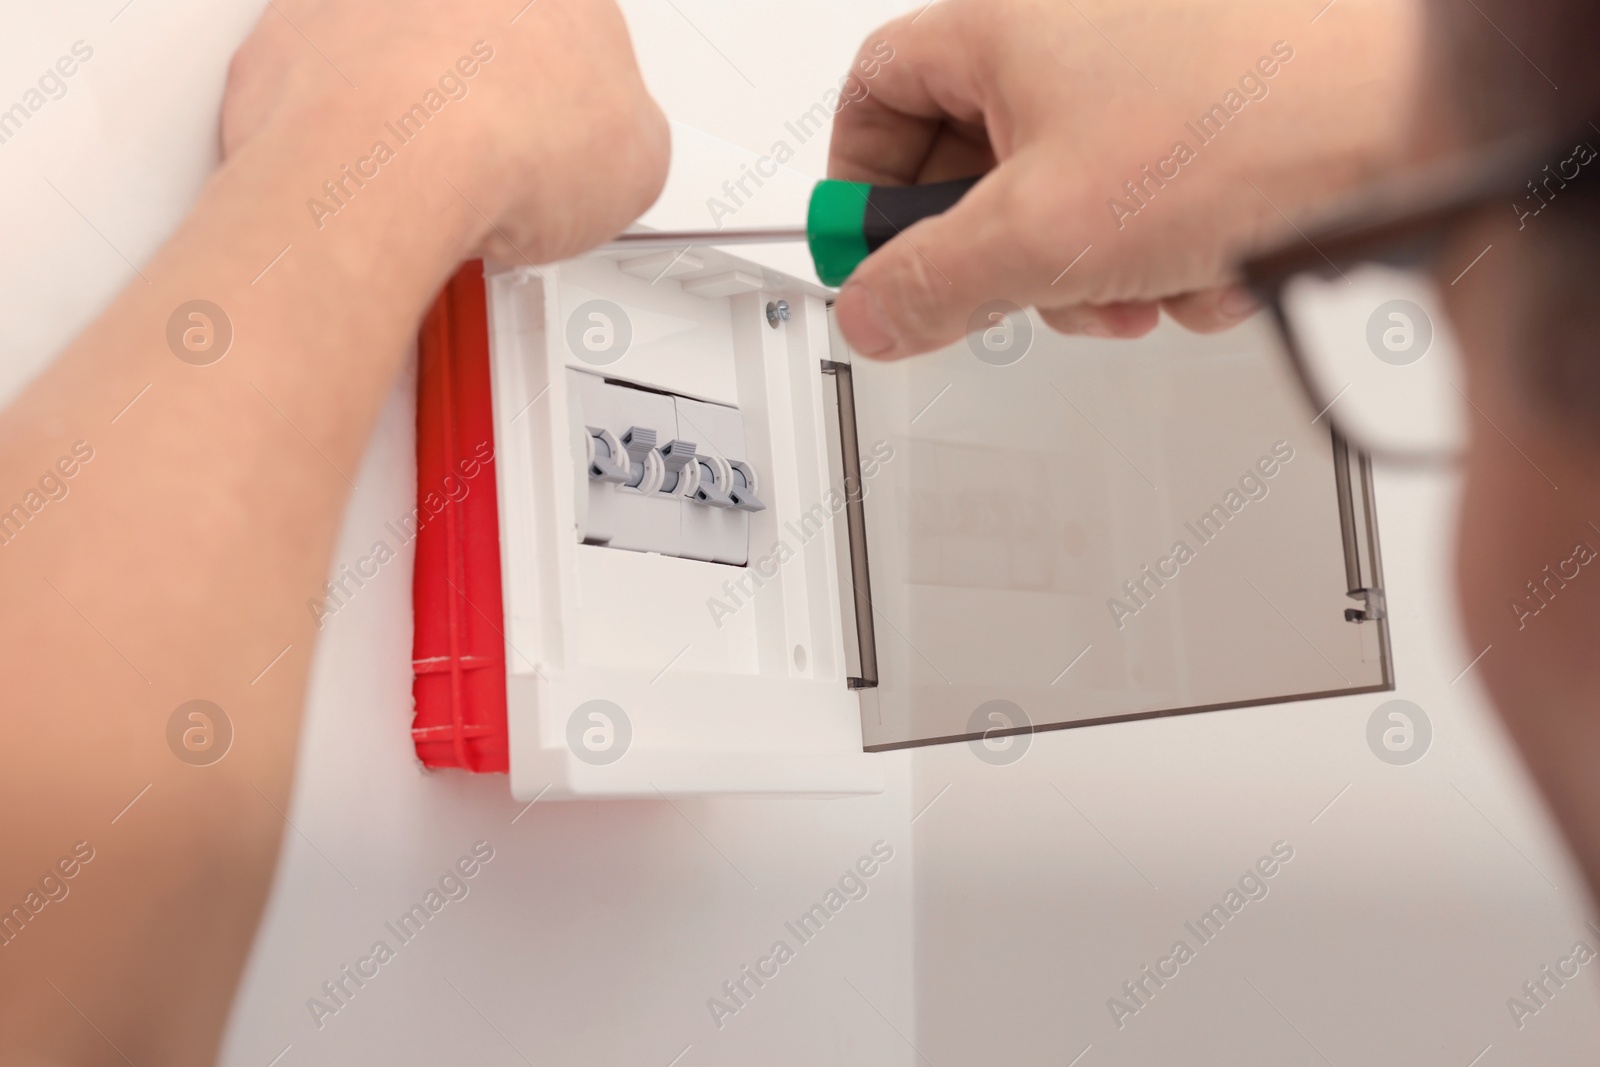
[956, 152]
[919, 290]
[943, 98]
[1211, 310]
[1128, 319]
[873, 142]
[911, 102]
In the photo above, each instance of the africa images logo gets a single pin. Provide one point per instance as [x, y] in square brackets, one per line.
[1399, 732]
[599, 732]
[1399, 332]
[599, 332]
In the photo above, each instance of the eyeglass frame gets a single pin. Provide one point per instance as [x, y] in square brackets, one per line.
[1407, 219]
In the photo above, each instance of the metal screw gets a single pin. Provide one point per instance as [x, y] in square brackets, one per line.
[777, 312]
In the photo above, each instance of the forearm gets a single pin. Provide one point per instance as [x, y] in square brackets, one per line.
[179, 564]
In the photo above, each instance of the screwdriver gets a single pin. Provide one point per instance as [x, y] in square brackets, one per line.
[845, 223]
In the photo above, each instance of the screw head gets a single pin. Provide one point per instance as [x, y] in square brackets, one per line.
[777, 311]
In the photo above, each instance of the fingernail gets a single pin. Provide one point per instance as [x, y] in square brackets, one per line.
[1237, 302]
[1096, 328]
[863, 321]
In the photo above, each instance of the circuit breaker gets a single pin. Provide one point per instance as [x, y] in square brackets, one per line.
[660, 473]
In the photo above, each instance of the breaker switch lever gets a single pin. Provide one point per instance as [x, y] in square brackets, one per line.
[675, 456]
[742, 487]
[708, 491]
[607, 460]
[639, 443]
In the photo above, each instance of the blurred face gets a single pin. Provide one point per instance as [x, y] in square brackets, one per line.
[1528, 581]
[1530, 494]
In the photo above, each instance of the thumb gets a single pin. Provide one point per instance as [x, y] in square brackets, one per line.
[919, 290]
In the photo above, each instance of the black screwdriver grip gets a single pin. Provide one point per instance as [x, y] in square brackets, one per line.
[892, 208]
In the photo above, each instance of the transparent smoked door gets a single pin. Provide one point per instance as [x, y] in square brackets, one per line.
[1063, 531]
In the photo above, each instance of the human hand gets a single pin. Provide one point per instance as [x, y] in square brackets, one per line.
[538, 117]
[1049, 96]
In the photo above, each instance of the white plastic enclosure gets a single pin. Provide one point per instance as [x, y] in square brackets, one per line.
[713, 634]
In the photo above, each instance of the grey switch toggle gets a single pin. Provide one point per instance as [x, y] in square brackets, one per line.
[675, 456]
[742, 487]
[639, 443]
[607, 461]
[709, 492]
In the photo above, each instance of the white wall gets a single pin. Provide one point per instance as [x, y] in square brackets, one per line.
[1413, 908]
[599, 930]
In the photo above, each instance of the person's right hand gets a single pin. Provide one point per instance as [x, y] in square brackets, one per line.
[554, 139]
[1068, 102]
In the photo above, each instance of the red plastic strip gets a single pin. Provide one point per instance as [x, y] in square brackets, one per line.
[458, 652]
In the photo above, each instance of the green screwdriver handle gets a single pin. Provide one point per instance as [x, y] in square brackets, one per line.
[848, 221]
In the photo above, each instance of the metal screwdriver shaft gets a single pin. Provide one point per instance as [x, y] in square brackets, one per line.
[685, 238]
[845, 223]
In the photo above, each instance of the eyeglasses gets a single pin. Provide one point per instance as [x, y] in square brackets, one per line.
[1361, 306]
